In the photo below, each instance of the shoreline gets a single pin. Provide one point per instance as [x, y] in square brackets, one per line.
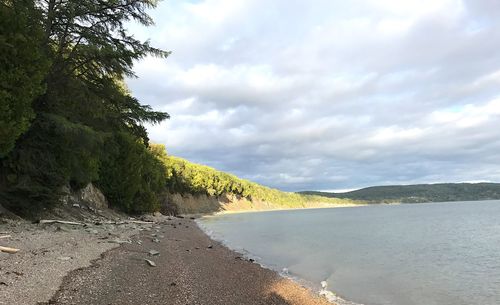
[190, 268]
[317, 289]
[330, 206]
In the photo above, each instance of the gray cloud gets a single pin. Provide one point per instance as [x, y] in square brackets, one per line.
[329, 94]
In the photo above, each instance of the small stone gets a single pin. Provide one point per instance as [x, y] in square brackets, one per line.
[62, 229]
[76, 205]
[173, 284]
[210, 247]
[155, 240]
[153, 252]
[64, 258]
[150, 262]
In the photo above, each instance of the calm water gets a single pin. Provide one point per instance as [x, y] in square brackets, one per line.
[425, 254]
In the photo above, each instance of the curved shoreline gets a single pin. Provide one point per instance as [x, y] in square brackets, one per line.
[191, 268]
[323, 292]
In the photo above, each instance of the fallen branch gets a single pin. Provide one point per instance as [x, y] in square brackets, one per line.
[141, 222]
[8, 250]
[62, 222]
[128, 222]
[5, 236]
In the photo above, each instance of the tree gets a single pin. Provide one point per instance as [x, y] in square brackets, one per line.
[23, 66]
[85, 104]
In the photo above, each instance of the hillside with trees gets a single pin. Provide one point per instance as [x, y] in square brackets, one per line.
[420, 193]
[185, 177]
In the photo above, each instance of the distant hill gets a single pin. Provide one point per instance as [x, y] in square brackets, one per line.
[419, 193]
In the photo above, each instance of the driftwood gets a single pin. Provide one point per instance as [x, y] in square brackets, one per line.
[62, 222]
[128, 222]
[141, 222]
[8, 250]
[5, 236]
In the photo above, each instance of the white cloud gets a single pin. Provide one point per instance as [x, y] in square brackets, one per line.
[329, 94]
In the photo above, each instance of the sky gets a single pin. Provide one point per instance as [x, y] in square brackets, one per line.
[328, 94]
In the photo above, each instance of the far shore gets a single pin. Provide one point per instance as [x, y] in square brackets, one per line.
[329, 206]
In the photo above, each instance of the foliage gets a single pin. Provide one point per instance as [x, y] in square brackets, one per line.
[86, 126]
[187, 177]
[131, 175]
[46, 158]
[22, 69]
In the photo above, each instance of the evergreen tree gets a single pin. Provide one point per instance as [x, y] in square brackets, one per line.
[23, 66]
[87, 127]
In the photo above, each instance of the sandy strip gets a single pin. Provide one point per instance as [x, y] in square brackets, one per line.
[190, 269]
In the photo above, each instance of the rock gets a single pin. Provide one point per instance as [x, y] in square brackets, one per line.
[63, 228]
[90, 196]
[157, 214]
[153, 252]
[210, 247]
[64, 258]
[155, 240]
[150, 262]
[76, 205]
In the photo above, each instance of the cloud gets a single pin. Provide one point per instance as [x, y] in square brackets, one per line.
[328, 94]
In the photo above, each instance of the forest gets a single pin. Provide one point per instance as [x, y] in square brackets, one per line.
[439, 192]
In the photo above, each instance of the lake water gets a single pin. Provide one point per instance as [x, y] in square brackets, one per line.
[412, 254]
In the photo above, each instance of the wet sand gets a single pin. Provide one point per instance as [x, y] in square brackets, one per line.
[190, 269]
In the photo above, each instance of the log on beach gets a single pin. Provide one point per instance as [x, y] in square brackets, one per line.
[8, 250]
